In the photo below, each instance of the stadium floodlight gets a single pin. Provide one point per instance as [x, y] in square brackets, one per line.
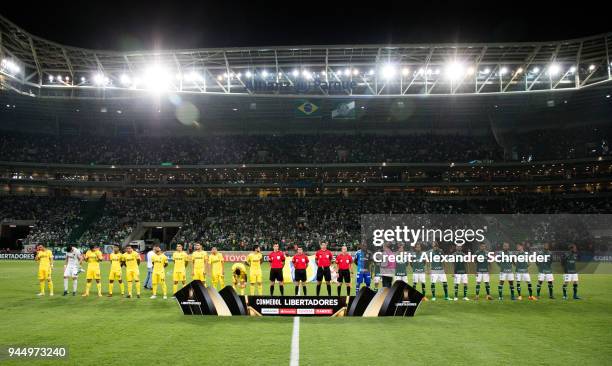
[239, 75]
[536, 70]
[59, 78]
[83, 79]
[572, 69]
[355, 72]
[323, 73]
[388, 71]
[220, 77]
[591, 67]
[10, 66]
[125, 80]
[156, 78]
[437, 71]
[454, 70]
[421, 71]
[67, 78]
[347, 71]
[486, 71]
[554, 69]
[405, 71]
[51, 77]
[520, 70]
[264, 74]
[371, 72]
[503, 71]
[470, 70]
[295, 73]
[306, 74]
[248, 74]
[98, 79]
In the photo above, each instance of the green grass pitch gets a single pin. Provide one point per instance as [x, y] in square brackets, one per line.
[119, 331]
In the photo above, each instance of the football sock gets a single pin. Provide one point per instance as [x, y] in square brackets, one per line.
[511, 290]
[87, 288]
[456, 290]
[122, 287]
[539, 288]
[65, 284]
[318, 290]
[110, 288]
[252, 290]
[488, 288]
[477, 289]
[500, 290]
[339, 289]
[423, 288]
[99, 288]
[282, 290]
[565, 290]
[550, 289]
[445, 287]
[164, 289]
[174, 288]
[137, 284]
[42, 286]
[271, 290]
[242, 291]
[50, 286]
[297, 288]
[154, 290]
[433, 290]
[348, 290]
[464, 290]
[414, 285]
[328, 289]
[518, 288]
[129, 288]
[529, 289]
[575, 290]
[260, 289]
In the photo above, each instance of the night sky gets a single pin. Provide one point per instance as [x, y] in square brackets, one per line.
[130, 25]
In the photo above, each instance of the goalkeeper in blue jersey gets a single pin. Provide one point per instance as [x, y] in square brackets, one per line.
[362, 260]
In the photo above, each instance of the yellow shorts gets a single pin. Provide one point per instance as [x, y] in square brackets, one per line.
[93, 274]
[159, 278]
[132, 275]
[216, 277]
[238, 279]
[199, 275]
[179, 276]
[44, 273]
[115, 275]
[256, 277]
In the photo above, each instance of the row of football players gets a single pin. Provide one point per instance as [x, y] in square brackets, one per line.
[460, 274]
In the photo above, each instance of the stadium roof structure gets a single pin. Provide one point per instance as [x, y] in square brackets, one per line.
[38, 67]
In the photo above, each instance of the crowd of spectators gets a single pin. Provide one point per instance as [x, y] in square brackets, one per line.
[238, 223]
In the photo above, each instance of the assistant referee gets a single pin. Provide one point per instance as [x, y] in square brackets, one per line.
[323, 258]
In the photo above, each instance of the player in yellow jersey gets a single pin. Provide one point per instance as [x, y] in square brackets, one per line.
[254, 260]
[215, 259]
[160, 262]
[117, 261]
[132, 271]
[93, 257]
[44, 257]
[239, 276]
[199, 259]
[179, 257]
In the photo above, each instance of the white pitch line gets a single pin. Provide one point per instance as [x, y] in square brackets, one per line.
[295, 343]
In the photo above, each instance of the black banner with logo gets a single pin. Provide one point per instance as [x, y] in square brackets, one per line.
[297, 305]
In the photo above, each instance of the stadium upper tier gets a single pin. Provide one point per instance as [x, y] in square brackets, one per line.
[34, 65]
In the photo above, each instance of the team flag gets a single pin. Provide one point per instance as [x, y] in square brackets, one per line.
[306, 108]
[344, 110]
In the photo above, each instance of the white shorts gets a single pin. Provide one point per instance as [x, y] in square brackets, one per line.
[506, 276]
[460, 278]
[71, 271]
[438, 277]
[418, 277]
[482, 277]
[401, 278]
[523, 277]
[548, 277]
[570, 277]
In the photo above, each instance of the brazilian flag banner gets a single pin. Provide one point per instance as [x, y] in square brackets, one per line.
[307, 109]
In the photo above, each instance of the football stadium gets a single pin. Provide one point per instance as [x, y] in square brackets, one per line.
[362, 204]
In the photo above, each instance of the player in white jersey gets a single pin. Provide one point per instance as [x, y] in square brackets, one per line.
[74, 258]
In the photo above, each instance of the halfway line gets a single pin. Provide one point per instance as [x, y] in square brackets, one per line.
[295, 343]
